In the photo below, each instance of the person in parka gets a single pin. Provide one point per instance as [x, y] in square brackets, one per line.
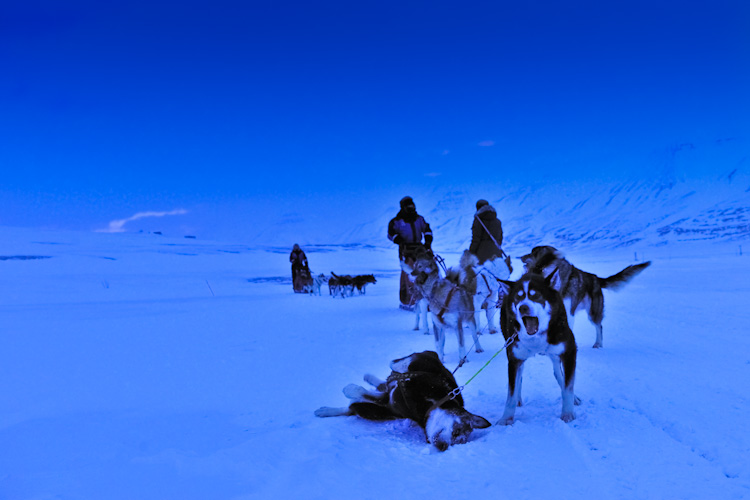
[299, 266]
[407, 230]
[486, 238]
[486, 233]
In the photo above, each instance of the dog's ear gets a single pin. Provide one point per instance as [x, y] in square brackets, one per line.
[507, 284]
[508, 323]
[476, 421]
[548, 279]
[431, 354]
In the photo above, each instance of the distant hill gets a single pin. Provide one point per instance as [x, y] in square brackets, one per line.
[696, 193]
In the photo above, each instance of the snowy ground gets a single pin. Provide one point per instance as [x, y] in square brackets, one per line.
[137, 367]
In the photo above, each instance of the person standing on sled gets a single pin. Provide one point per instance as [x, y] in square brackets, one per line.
[407, 230]
[486, 238]
[299, 266]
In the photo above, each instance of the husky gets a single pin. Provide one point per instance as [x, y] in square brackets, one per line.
[421, 310]
[418, 388]
[578, 288]
[534, 315]
[361, 281]
[488, 289]
[340, 285]
[450, 299]
[317, 283]
[421, 306]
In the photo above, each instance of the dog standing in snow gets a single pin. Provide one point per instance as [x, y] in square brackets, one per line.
[534, 315]
[488, 288]
[578, 288]
[450, 299]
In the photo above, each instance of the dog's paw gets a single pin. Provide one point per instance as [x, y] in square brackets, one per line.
[577, 401]
[354, 391]
[597, 345]
[327, 411]
[493, 331]
[479, 349]
[506, 421]
[567, 417]
[373, 380]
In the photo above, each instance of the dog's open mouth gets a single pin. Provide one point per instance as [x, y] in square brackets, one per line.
[531, 323]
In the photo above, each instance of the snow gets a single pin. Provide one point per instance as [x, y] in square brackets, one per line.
[144, 366]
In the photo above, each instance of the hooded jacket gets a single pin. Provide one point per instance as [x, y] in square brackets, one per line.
[298, 258]
[408, 227]
[481, 243]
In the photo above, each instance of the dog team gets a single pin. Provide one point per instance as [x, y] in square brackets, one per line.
[535, 318]
[338, 286]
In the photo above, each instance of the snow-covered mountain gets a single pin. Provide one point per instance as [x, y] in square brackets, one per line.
[697, 192]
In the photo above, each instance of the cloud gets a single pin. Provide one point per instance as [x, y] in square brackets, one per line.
[118, 226]
[432, 174]
[486, 144]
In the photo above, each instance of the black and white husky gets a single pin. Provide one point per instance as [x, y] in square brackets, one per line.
[534, 313]
[578, 288]
[418, 389]
[450, 298]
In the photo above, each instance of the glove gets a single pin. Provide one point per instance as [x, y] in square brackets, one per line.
[398, 240]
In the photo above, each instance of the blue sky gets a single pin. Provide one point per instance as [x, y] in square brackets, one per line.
[109, 109]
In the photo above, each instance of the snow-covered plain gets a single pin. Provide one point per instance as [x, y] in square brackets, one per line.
[135, 366]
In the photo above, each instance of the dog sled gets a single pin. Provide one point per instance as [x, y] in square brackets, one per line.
[303, 281]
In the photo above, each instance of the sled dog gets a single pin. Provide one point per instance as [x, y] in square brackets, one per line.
[421, 307]
[317, 283]
[488, 287]
[361, 281]
[450, 299]
[418, 388]
[578, 288]
[421, 311]
[340, 285]
[345, 285]
[533, 311]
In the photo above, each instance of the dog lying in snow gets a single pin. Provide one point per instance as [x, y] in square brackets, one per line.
[417, 389]
[533, 311]
[577, 287]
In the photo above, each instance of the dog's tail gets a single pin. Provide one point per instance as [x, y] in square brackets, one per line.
[466, 276]
[617, 281]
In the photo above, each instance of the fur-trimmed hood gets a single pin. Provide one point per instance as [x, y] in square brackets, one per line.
[487, 212]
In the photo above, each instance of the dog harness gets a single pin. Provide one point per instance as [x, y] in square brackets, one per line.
[401, 378]
[485, 281]
[447, 301]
